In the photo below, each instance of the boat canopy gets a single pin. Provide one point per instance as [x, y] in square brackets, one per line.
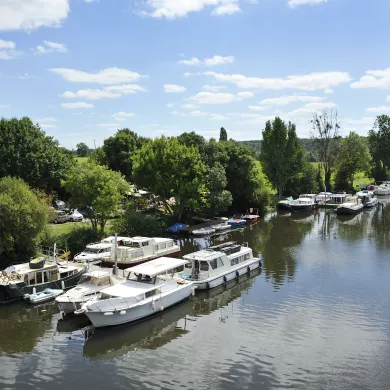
[158, 266]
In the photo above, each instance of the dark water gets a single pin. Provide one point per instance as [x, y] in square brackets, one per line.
[317, 317]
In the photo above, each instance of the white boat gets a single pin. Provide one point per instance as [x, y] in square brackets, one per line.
[323, 197]
[285, 204]
[203, 231]
[149, 289]
[44, 296]
[217, 265]
[137, 250]
[303, 203]
[221, 226]
[252, 216]
[368, 199]
[95, 253]
[382, 189]
[89, 287]
[354, 206]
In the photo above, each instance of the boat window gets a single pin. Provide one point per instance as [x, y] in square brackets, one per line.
[146, 243]
[188, 265]
[54, 275]
[213, 263]
[170, 244]
[163, 246]
[46, 276]
[219, 262]
[133, 244]
[204, 266]
[234, 261]
[150, 293]
[103, 281]
[247, 256]
[64, 274]
[91, 250]
[32, 278]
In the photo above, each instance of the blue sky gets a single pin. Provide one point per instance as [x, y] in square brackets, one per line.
[82, 69]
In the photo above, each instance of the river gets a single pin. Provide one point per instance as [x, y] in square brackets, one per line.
[316, 317]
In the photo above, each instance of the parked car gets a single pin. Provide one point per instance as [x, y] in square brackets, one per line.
[58, 204]
[75, 216]
[60, 216]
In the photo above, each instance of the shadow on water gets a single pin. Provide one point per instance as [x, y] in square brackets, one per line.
[152, 333]
[21, 326]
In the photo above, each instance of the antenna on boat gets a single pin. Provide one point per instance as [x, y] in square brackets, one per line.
[116, 254]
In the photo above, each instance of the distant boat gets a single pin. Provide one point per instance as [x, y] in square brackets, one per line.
[236, 220]
[176, 228]
[44, 296]
[382, 189]
[305, 202]
[353, 207]
[368, 198]
[203, 231]
[252, 216]
[285, 204]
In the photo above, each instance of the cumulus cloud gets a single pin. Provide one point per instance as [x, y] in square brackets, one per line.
[173, 88]
[105, 76]
[296, 3]
[114, 91]
[290, 99]
[213, 61]
[50, 47]
[213, 88]
[257, 108]
[374, 79]
[197, 113]
[308, 82]
[32, 14]
[8, 50]
[309, 108]
[219, 117]
[76, 105]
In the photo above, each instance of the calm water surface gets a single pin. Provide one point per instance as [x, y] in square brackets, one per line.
[316, 317]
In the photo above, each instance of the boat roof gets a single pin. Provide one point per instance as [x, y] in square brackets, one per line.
[161, 239]
[25, 267]
[111, 239]
[339, 195]
[140, 239]
[129, 288]
[209, 254]
[99, 245]
[158, 266]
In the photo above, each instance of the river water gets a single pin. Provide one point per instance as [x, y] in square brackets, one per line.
[316, 317]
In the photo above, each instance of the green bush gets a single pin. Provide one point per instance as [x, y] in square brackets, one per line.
[136, 224]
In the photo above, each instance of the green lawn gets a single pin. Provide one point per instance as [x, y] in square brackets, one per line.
[64, 228]
[81, 159]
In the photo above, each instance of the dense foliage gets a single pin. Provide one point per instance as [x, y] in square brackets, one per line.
[24, 215]
[98, 188]
[28, 153]
[82, 150]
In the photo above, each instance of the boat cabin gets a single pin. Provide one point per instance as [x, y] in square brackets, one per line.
[120, 240]
[339, 198]
[96, 278]
[308, 196]
[98, 248]
[144, 247]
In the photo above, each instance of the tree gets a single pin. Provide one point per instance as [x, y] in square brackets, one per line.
[223, 135]
[24, 215]
[354, 156]
[219, 199]
[99, 188]
[282, 154]
[28, 153]
[326, 128]
[82, 149]
[119, 150]
[319, 180]
[379, 146]
[170, 169]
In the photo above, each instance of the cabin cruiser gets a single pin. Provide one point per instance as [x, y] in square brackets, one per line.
[141, 249]
[34, 277]
[219, 264]
[354, 206]
[382, 189]
[95, 253]
[368, 199]
[305, 202]
[150, 288]
[88, 287]
[323, 197]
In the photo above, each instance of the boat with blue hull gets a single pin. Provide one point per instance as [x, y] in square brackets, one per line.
[26, 279]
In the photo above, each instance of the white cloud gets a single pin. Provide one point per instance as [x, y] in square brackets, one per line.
[227, 9]
[296, 3]
[105, 76]
[329, 91]
[4, 105]
[7, 44]
[47, 119]
[50, 47]
[213, 88]
[174, 112]
[379, 110]
[31, 14]
[7, 50]
[27, 76]
[213, 98]
[113, 125]
[289, 99]
[213, 61]
[308, 82]
[244, 95]
[173, 88]
[197, 113]
[374, 79]
[121, 116]
[257, 108]
[76, 105]
[172, 9]
[189, 106]
[113, 91]
[311, 107]
[219, 117]
[187, 74]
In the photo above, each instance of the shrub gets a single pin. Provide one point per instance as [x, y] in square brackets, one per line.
[136, 224]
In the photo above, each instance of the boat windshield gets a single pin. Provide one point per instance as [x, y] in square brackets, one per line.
[133, 244]
[91, 250]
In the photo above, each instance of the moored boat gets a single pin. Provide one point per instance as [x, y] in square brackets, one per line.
[219, 264]
[203, 231]
[285, 204]
[236, 220]
[46, 295]
[150, 288]
[368, 199]
[382, 189]
[89, 286]
[302, 204]
[251, 216]
[351, 207]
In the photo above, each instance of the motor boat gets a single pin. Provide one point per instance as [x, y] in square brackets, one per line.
[94, 253]
[219, 264]
[368, 199]
[44, 296]
[323, 197]
[89, 286]
[149, 288]
[203, 231]
[382, 189]
[351, 207]
[303, 203]
[252, 216]
[284, 204]
[236, 220]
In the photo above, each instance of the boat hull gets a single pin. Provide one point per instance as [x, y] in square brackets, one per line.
[118, 317]
[348, 211]
[13, 292]
[298, 208]
[228, 276]
[283, 206]
[125, 265]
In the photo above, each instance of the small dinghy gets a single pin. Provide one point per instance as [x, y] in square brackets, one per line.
[203, 231]
[43, 296]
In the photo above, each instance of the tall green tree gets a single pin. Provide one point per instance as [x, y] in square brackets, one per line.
[223, 134]
[379, 146]
[82, 149]
[24, 215]
[282, 154]
[28, 153]
[354, 157]
[326, 128]
[99, 188]
[168, 168]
